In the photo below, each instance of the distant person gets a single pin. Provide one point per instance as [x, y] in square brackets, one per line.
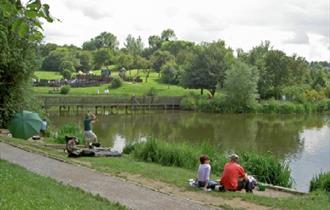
[89, 135]
[43, 127]
[203, 174]
[234, 177]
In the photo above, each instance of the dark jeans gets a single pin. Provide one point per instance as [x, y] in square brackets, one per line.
[210, 184]
[248, 186]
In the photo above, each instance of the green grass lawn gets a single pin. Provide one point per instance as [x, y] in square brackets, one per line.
[22, 189]
[179, 176]
[128, 88]
[48, 75]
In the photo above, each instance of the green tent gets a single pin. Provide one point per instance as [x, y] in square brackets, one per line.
[25, 124]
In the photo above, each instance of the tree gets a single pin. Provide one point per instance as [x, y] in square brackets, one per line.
[102, 57]
[241, 86]
[125, 60]
[155, 42]
[159, 58]
[168, 35]
[85, 58]
[54, 60]
[134, 46]
[276, 73]
[170, 73]
[103, 40]
[208, 67]
[20, 30]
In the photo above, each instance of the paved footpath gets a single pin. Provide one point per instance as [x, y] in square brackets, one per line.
[112, 188]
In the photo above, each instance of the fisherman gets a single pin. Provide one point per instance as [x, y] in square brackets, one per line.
[89, 135]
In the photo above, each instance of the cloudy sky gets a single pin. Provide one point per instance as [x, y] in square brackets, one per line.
[295, 26]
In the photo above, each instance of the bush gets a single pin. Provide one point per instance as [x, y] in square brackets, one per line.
[266, 168]
[65, 89]
[188, 103]
[151, 92]
[320, 182]
[116, 83]
[67, 74]
[69, 129]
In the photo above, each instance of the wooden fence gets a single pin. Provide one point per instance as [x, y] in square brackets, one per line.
[109, 102]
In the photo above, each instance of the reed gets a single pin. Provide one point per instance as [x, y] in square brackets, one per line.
[320, 182]
[265, 167]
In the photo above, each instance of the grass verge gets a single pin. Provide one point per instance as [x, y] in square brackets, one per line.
[176, 177]
[22, 189]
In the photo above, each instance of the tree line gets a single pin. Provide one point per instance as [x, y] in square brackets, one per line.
[203, 66]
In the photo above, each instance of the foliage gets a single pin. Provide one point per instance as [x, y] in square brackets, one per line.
[265, 167]
[67, 74]
[102, 57]
[170, 73]
[59, 59]
[65, 89]
[37, 192]
[103, 40]
[208, 67]
[134, 46]
[241, 86]
[69, 129]
[159, 58]
[116, 83]
[168, 35]
[85, 58]
[20, 30]
[320, 182]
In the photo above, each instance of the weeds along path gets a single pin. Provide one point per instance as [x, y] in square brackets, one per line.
[112, 188]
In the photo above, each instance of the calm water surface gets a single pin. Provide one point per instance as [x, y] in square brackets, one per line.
[302, 141]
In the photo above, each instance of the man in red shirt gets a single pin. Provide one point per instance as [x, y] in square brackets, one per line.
[233, 177]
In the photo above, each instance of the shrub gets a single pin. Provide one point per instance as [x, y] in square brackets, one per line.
[67, 74]
[69, 129]
[116, 83]
[266, 167]
[188, 103]
[151, 92]
[65, 89]
[320, 182]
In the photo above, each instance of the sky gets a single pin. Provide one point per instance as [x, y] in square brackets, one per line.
[299, 27]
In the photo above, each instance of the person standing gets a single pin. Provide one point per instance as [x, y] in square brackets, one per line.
[89, 135]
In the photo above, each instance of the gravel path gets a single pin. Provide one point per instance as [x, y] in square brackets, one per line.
[112, 188]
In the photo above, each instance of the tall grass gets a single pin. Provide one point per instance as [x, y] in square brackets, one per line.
[68, 129]
[266, 168]
[320, 182]
[219, 105]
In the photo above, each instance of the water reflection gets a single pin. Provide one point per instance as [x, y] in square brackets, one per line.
[303, 140]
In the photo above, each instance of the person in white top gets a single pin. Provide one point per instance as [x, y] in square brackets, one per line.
[203, 175]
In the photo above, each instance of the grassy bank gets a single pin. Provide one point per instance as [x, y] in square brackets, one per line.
[219, 105]
[127, 89]
[21, 189]
[265, 167]
[127, 166]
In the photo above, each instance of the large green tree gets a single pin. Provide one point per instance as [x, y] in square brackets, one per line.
[134, 45]
[103, 40]
[20, 31]
[241, 86]
[208, 67]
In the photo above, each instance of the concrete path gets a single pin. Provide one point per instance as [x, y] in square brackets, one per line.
[112, 188]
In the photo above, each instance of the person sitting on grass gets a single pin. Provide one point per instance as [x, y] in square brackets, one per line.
[203, 175]
[89, 135]
[234, 177]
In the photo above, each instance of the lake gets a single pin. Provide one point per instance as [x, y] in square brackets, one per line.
[301, 140]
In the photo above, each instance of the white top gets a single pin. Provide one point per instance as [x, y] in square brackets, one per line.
[204, 171]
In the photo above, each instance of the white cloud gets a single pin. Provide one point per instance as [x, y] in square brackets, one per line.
[295, 26]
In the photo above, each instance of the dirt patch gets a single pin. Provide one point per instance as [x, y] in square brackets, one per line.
[200, 196]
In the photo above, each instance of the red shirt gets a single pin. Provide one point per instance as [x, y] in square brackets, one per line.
[231, 172]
